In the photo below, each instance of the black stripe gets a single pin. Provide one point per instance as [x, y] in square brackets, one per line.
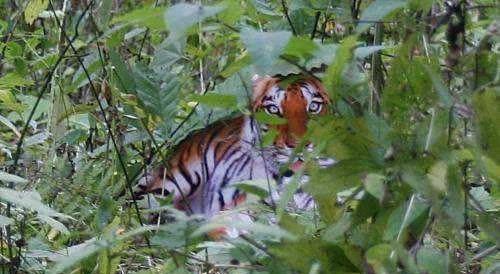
[222, 204]
[230, 153]
[206, 149]
[244, 165]
[306, 87]
[173, 181]
[227, 174]
[160, 191]
[217, 147]
[198, 178]
[198, 181]
[185, 174]
[235, 194]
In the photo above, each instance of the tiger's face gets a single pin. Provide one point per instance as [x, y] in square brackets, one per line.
[296, 103]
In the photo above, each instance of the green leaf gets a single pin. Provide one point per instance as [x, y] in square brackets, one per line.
[377, 10]
[374, 184]
[335, 232]
[333, 77]
[300, 47]
[231, 13]
[326, 184]
[69, 257]
[269, 137]
[148, 16]
[30, 200]
[224, 101]
[268, 119]
[237, 65]
[489, 222]
[437, 176]
[265, 47]
[252, 227]
[324, 55]
[431, 260]
[181, 17]
[379, 258]
[6, 177]
[4, 221]
[483, 197]
[13, 50]
[11, 80]
[363, 52]
[403, 216]
[302, 254]
[73, 137]
[76, 254]
[443, 92]
[33, 9]
[125, 79]
[161, 101]
[55, 224]
[257, 187]
[487, 112]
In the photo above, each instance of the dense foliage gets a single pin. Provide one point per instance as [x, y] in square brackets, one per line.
[93, 91]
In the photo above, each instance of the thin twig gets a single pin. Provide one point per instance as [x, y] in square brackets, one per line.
[256, 244]
[285, 11]
[485, 253]
[316, 19]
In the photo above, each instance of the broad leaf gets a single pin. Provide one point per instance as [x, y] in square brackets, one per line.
[4, 221]
[265, 47]
[223, 101]
[377, 10]
[158, 99]
[6, 177]
[487, 109]
[30, 200]
[182, 16]
[11, 80]
[147, 16]
[33, 9]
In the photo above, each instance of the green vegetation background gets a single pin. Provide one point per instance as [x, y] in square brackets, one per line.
[92, 91]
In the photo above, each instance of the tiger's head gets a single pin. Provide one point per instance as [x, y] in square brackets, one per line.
[296, 102]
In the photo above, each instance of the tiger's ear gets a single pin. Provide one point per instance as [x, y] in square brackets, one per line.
[260, 84]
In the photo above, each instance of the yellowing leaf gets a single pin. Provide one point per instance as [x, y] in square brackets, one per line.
[11, 80]
[33, 10]
[150, 17]
[437, 176]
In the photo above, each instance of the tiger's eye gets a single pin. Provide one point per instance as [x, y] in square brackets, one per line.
[315, 107]
[272, 109]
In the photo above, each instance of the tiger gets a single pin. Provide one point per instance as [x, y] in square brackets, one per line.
[204, 167]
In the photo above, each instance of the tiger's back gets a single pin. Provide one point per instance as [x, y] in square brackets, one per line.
[201, 170]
